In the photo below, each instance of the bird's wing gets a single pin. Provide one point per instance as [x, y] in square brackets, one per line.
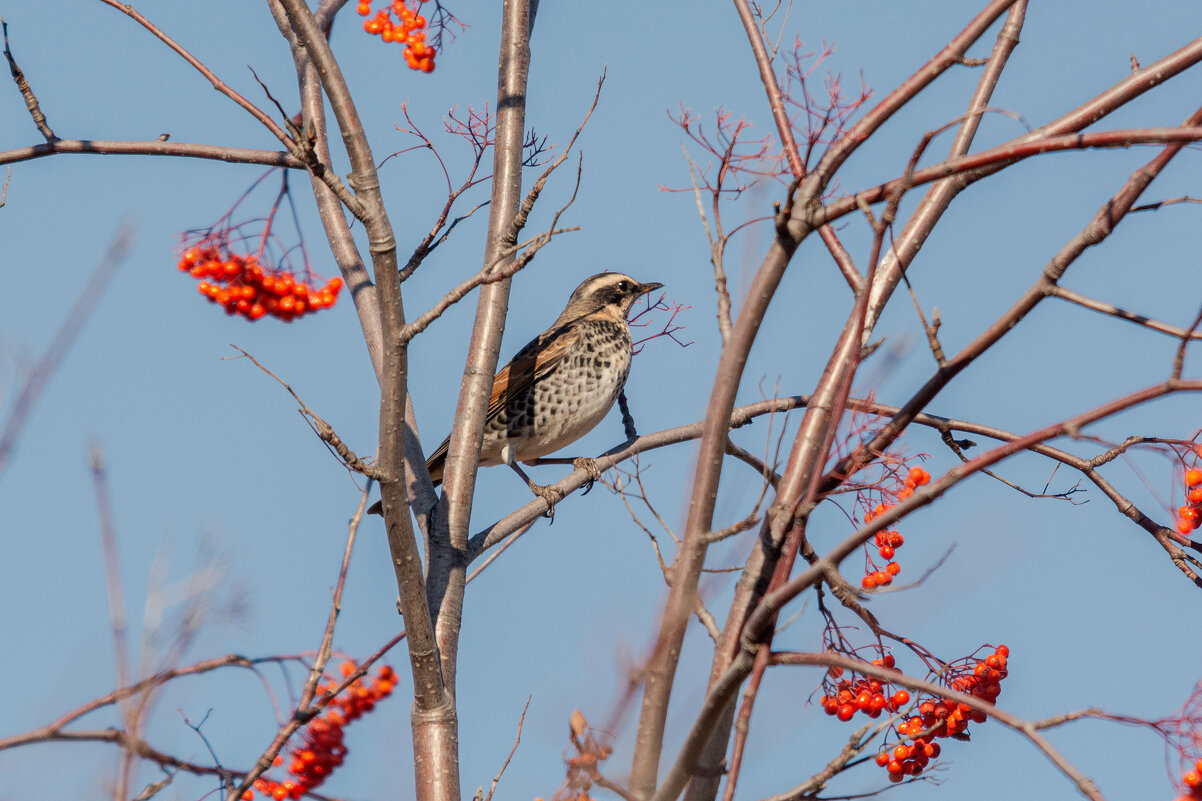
[536, 361]
[541, 357]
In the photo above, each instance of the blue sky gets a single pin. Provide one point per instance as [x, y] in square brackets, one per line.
[205, 454]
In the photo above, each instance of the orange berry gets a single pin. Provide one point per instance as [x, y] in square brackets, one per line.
[869, 581]
[1194, 495]
[901, 698]
[893, 568]
[882, 758]
[845, 712]
[364, 9]
[1193, 477]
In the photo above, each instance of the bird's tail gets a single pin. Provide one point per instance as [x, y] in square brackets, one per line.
[434, 464]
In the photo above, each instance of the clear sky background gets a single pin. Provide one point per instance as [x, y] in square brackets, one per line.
[206, 455]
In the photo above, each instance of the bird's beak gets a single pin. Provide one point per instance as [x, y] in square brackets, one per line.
[645, 288]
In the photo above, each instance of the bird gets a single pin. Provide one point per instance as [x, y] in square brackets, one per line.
[561, 384]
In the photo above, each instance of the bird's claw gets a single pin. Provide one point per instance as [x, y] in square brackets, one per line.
[589, 466]
[549, 494]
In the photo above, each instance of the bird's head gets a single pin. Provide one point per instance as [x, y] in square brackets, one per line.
[612, 293]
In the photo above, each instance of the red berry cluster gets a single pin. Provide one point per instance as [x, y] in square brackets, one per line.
[408, 30]
[1193, 783]
[861, 694]
[1189, 516]
[887, 542]
[321, 749]
[939, 717]
[245, 287]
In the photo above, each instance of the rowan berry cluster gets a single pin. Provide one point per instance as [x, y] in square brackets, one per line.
[321, 748]
[1189, 516]
[252, 290]
[409, 30]
[1193, 783]
[939, 717]
[861, 694]
[888, 541]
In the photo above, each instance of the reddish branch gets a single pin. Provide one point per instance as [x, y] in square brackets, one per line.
[1005, 155]
[758, 628]
[815, 430]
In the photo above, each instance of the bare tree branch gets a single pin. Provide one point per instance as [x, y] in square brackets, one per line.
[64, 338]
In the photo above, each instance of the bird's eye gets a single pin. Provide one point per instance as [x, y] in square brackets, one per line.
[623, 286]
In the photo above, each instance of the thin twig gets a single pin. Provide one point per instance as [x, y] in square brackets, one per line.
[323, 429]
[1122, 314]
[31, 100]
[516, 740]
[64, 338]
[218, 84]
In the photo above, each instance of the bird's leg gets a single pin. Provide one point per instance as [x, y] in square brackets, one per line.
[548, 493]
[632, 433]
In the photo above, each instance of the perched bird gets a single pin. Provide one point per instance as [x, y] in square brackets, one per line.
[558, 387]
